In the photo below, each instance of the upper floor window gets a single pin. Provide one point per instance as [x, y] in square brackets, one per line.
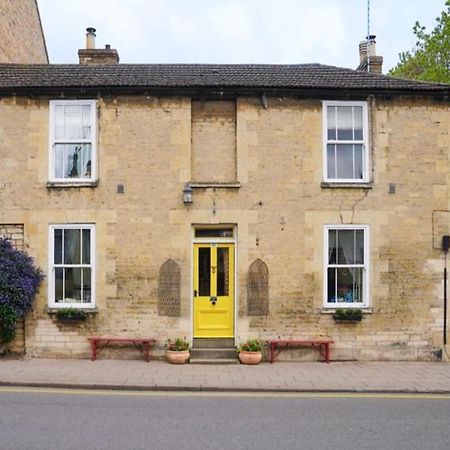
[345, 142]
[346, 265]
[72, 140]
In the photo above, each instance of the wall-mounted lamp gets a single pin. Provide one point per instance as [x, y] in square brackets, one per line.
[187, 194]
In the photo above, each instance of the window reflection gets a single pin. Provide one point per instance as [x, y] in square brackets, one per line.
[204, 271]
[223, 271]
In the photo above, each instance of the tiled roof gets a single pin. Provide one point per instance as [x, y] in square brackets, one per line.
[15, 77]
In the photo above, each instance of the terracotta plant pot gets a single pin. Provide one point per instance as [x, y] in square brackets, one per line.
[250, 358]
[175, 357]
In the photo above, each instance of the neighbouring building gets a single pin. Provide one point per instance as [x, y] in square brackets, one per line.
[21, 37]
[228, 201]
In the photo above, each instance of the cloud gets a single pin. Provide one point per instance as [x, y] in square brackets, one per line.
[234, 31]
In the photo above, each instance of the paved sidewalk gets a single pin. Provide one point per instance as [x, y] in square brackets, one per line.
[281, 376]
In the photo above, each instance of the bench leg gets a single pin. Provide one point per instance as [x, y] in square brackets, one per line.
[327, 353]
[146, 350]
[276, 349]
[93, 350]
[272, 352]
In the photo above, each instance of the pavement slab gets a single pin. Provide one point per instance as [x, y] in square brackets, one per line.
[421, 377]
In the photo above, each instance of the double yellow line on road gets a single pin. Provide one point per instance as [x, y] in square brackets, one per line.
[223, 394]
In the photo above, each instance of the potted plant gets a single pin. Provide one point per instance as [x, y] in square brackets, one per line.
[177, 350]
[348, 315]
[250, 351]
[71, 315]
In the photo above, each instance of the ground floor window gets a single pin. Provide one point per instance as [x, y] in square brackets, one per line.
[71, 265]
[347, 265]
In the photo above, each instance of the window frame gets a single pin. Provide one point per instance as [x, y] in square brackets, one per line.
[51, 265]
[364, 141]
[366, 267]
[52, 141]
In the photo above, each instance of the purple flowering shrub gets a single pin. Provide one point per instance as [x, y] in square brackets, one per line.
[19, 283]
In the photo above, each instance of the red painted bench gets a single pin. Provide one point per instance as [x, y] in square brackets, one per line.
[142, 343]
[276, 346]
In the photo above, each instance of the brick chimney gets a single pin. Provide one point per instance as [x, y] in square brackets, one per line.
[92, 55]
[368, 59]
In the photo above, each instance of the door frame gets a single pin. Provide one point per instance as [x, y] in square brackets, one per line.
[214, 240]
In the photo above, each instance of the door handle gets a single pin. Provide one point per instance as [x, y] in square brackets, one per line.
[195, 293]
[213, 300]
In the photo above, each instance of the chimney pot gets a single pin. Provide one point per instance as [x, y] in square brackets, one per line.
[90, 37]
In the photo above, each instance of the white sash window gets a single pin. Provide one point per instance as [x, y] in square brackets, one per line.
[71, 265]
[345, 142]
[72, 130]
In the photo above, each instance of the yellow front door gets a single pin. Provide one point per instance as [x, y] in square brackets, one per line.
[213, 290]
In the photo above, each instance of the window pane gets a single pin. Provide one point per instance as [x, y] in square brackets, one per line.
[59, 157]
[57, 255]
[204, 271]
[358, 288]
[86, 250]
[358, 122]
[223, 271]
[72, 246]
[331, 161]
[359, 246]
[72, 285]
[84, 160]
[344, 123]
[331, 122]
[331, 282]
[59, 285]
[214, 232]
[59, 122]
[344, 163]
[332, 252]
[86, 131]
[358, 148]
[72, 122]
[86, 296]
[346, 246]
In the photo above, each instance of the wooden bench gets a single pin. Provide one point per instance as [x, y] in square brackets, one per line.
[276, 346]
[144, 344]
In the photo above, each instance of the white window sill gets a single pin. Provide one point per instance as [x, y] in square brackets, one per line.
[71, 184]
[337, 184]
[332, 309]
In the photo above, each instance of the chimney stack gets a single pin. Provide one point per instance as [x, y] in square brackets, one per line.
[92, 55]
[368, 59]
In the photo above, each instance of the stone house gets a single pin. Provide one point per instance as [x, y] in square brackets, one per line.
[228, 201]
[21, 36]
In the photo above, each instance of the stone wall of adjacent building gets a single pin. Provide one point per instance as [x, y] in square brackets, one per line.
[280, 210]
[21, 36]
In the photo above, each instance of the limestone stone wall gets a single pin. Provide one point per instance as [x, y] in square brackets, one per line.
[280, 210]
[21, 36]
[213, 141]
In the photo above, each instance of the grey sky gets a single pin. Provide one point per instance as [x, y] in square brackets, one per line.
[235, 31]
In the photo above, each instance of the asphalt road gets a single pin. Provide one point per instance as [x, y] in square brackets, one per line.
[49, 419]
